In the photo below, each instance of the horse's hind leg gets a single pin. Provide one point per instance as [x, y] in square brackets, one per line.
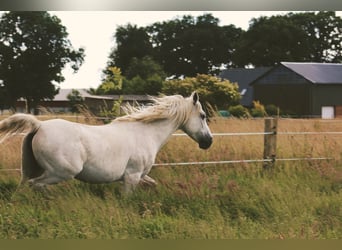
[46, 179]
[29, 166]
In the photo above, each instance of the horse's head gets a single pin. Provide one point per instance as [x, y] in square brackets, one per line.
[196, 125]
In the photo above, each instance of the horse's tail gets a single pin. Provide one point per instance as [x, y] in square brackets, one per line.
[18, 123]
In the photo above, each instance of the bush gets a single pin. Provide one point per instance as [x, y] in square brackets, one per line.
[258, 110]
[111, 112]
[75, 99]
[239, 111]
[216, 91]
[272, 110]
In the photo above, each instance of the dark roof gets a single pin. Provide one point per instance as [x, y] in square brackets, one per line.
[318, 73]
[63, 96]
[131, 98]
[243, 76]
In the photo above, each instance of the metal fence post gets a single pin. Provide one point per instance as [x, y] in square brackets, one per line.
[270, 142]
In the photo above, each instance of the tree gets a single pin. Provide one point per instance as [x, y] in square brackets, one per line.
[214, 90]
[143, 76]
[270, 40]
[184, 46]
[3, 97]
[112, 84]
[323, 33]
[34, 48]
[75, 98]
[144, 67]
[297, 37]
[191, 46]
[131, 42]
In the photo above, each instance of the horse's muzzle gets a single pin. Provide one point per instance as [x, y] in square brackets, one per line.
[205, 144]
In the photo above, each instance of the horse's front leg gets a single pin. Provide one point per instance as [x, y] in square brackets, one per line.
[131, 180]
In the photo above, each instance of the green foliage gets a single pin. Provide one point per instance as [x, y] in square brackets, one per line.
[75, 100]
[193, 45]
[323, 39]
[112, 112]
[144, 67]
[187, 45]
[301, 37]
[239, 111]
[34, 49]
[143, 76]
[272, 110]
[294, 201]
[4, 100]
[131, 42]
[214, 90]
[183, 46]
[258, 109]
[151, 85]
[112, 84]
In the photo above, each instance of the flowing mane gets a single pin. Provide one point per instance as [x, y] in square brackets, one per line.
[174, 107]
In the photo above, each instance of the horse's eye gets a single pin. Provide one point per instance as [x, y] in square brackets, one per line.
[203, 116]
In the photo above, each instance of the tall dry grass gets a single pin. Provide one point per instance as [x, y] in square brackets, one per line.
[242, 147]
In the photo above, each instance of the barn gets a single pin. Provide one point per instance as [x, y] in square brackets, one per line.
[303, 89]
[61, 104]
[244, 77]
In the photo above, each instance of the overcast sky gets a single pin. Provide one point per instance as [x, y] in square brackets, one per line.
[94, 31]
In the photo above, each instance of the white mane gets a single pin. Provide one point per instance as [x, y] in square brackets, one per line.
[174, 107]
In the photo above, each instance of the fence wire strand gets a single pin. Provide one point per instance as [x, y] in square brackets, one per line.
[240, 161]
[235, 161]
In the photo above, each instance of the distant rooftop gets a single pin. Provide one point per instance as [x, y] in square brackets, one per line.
[63, 96]
[243, 76]
[319, 73]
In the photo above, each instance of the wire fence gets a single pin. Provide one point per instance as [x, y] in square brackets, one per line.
[240, 161]
[269, 133]
[266, 159]
[269, 157]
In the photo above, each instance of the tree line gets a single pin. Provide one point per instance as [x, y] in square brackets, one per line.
[162, 57]
[199, 45]
[191, 47]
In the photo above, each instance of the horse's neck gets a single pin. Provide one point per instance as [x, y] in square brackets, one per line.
[161, 131]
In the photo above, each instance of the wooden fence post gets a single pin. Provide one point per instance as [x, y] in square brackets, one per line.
[270, 142]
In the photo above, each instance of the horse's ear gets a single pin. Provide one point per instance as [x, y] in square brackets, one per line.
[195, 97]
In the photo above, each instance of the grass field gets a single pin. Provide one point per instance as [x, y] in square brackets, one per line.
[296, 199]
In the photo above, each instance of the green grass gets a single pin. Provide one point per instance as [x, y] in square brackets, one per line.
[295, 200]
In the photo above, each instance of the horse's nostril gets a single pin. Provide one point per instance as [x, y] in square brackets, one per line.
[205, 144]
